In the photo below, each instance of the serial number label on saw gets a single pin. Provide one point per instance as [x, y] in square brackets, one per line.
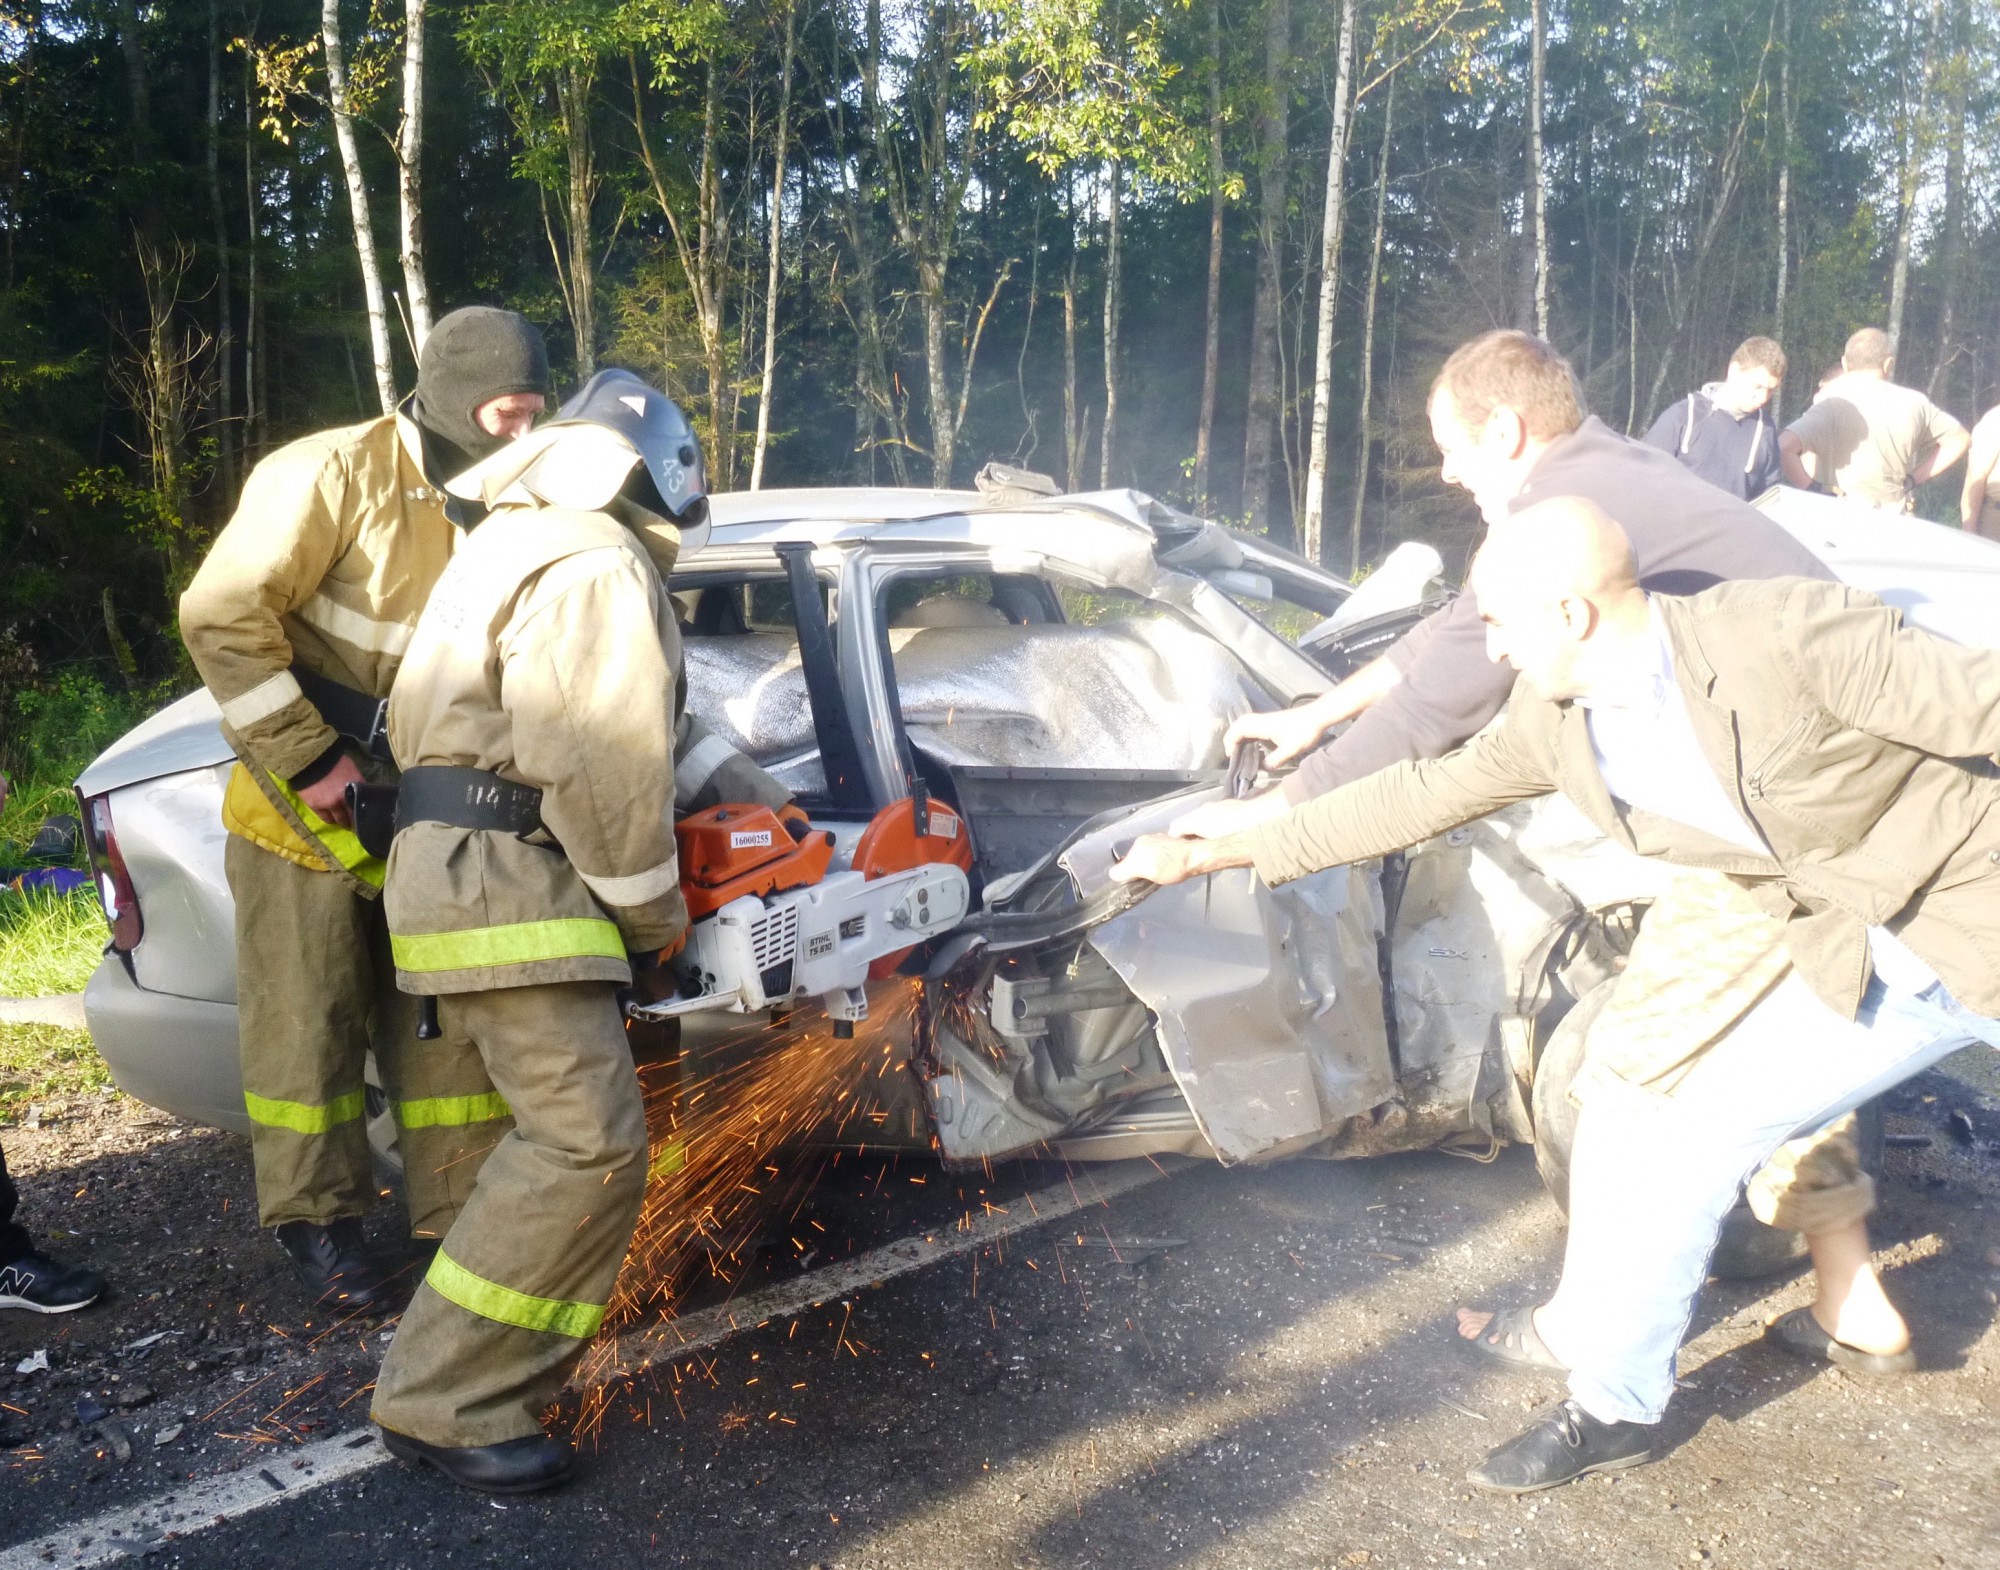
[749, 839]
[819, 945]
[943, 825]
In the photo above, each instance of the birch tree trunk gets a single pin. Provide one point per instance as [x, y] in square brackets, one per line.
[1261, 405]
[1211, 352]
[1538, 161]
[573, 92]
[410, 173]
[712, 242]
[1310, 541]
[1910, 159]
[1364, 413]
[1111, 309]
[777, 231]
[1632, 346]
[1784, 190]
[1951, 242]
[1076, 423]
[30, 25]
[225, 324]
[253, 337]
[357, 203]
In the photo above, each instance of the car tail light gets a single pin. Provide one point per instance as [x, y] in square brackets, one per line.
[114, 883]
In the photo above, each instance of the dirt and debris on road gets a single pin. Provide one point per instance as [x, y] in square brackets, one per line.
[1223, 1370]
[203, 1354]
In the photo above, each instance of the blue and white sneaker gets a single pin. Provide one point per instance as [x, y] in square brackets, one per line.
[46, 1286]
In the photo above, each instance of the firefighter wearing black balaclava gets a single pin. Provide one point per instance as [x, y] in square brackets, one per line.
[298, 621]
[540, 719]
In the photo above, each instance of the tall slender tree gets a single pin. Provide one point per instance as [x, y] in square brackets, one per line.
[1211, 341]
[357, 204]
[410, 173]
[1333, 223]
[1273, 167]
[767, 383]
[1538, 162]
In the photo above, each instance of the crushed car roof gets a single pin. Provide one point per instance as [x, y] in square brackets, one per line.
[847, 512]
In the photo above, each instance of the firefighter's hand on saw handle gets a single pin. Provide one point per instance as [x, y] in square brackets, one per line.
[1162, 858]
[652, 981]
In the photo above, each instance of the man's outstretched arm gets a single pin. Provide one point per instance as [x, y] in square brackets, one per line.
[1388, 810]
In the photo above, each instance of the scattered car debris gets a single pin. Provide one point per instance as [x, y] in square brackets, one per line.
[37, 1362]
[113, 1433]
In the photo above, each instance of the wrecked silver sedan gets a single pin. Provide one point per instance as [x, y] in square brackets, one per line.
[1055, 673]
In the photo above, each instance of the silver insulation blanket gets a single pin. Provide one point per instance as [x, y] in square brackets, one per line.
[1141, 693]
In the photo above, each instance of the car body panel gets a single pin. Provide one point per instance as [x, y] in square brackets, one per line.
[172, 1052]
[1268, 1000]
[1220, 1018]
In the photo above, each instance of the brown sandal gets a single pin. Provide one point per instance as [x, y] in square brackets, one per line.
[1800, 1334]
[1510, 1338]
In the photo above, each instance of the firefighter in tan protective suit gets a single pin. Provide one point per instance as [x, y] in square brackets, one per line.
[539, 715]
[297, 622]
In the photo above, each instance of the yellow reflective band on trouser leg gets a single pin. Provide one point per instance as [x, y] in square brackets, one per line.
[517, 943]
[303, 1117]
[340, 843]
[490, 1300]
[452, 1111]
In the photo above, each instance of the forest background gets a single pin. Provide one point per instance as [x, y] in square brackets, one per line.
[1213, 249]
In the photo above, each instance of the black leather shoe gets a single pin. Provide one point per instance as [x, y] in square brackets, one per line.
[1566, 1444]
[514, 1466]
[334, 1267]
[47, 1286]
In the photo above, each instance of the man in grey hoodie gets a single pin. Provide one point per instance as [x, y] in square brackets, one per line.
[1724, 432]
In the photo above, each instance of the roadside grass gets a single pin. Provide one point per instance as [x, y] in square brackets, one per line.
[49, 943]
[29, 802]
[44, 1063]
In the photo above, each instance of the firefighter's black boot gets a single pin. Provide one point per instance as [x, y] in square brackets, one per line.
[333, 1266]
[513, 1466]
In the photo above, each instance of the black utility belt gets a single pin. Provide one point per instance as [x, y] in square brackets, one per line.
[463, 798]
[356, 715]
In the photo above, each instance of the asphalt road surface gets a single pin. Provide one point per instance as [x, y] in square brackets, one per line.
[1249, 1368]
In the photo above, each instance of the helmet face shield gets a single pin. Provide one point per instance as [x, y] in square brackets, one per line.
[658, 431]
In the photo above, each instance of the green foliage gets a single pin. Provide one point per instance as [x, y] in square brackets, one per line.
[51, 728]
[49, 943]
[947, 146]
[1081, 81]
[42, 1062]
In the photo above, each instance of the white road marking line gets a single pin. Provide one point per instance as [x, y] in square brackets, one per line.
[194, 1507]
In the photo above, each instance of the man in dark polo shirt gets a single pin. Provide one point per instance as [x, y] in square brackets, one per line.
[1510, 425]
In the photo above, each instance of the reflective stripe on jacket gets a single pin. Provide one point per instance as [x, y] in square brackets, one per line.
[548, 654]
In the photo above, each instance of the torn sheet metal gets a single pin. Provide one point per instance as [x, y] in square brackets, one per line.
[1269, 1001]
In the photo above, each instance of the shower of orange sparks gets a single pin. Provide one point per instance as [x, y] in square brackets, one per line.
[726, 1155]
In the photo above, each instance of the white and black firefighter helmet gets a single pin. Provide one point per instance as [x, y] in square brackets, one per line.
[669, 455]
[617, 437]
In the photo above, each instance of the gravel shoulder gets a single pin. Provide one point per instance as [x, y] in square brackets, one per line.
[1247, 1368]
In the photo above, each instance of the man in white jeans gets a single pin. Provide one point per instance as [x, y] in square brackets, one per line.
[1792, 735]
